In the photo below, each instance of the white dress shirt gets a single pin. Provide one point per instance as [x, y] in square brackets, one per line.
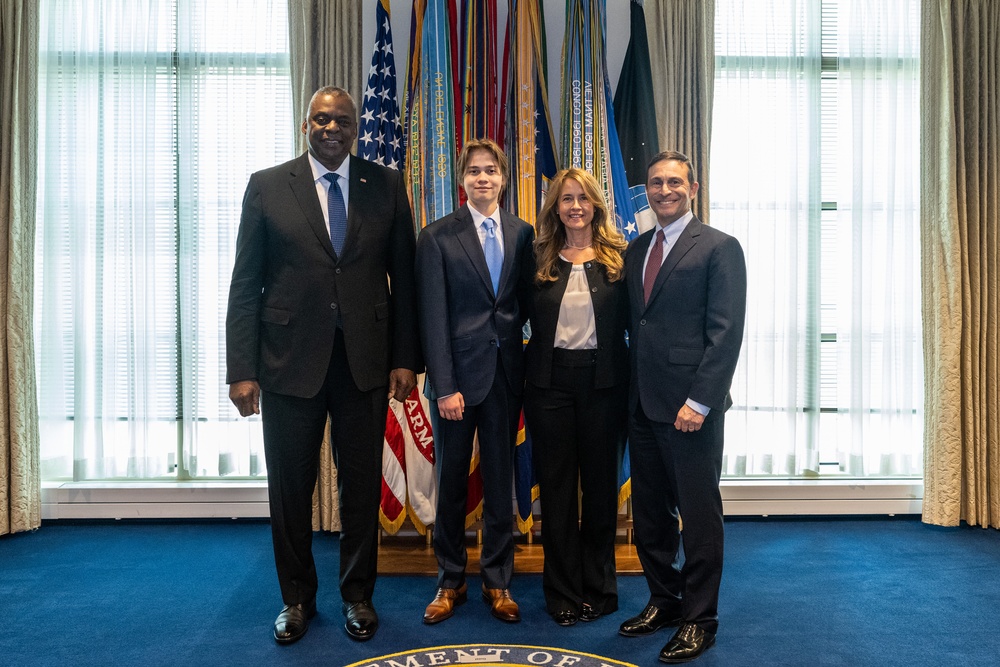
[323, 185]
[576, 328]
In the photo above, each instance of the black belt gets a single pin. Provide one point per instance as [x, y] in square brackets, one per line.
[564, 357]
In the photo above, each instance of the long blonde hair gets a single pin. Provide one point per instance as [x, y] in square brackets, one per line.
[550, 235]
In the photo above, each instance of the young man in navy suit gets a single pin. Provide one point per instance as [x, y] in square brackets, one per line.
[687, 288]
[312, 330]
[474, 270]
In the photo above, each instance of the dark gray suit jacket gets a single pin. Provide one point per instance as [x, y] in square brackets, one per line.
[686, 341]
[462, 324]
[289, 289]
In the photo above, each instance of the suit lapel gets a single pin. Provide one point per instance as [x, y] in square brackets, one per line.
[360, 175]
[510, 233]
[469, 238]
[303, 186]
[685, 242]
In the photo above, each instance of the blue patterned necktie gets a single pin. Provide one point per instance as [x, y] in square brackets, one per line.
[337, 212]
[493, 252]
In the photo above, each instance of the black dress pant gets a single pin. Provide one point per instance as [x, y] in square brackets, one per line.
[496, 421]
[676, 474]
[293, 436]
[576, 432]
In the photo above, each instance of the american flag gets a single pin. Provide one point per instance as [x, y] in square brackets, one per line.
[381, 136]
[406, 425]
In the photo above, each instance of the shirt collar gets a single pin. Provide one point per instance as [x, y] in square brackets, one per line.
[672, 231]
[477, 217]
[677, 225]
[319, 171]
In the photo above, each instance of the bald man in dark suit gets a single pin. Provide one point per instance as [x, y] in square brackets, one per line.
[315, 328]
[687, 286]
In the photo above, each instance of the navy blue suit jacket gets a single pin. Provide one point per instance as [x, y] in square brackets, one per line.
[462, 324]
[686, 341]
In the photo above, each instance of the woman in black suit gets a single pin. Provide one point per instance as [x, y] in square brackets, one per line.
[576, 394]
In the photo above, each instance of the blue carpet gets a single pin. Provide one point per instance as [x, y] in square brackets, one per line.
[803, 592]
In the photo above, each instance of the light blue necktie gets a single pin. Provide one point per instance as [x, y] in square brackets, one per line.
[337, 212]
[493, 252]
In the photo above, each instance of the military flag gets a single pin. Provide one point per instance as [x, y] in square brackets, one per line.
[478, 81]
[527, 140]
[431, 150]
[589, 134]
[430, 113]
[421, 484]
[525, 132]
[408, 485]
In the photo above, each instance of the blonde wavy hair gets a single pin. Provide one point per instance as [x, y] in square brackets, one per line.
[550, 235]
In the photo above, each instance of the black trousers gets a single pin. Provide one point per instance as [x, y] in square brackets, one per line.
[496, 421]
[293, 436]
[676, 474]
[576, 432]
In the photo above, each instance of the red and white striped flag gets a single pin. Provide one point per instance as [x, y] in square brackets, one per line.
[421, 484]
[392, 508]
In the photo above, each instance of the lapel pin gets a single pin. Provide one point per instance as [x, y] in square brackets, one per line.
[364, 180]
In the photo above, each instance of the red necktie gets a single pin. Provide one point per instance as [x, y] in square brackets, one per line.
[653, 266]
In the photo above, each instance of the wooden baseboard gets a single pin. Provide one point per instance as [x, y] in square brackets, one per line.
[410, 554]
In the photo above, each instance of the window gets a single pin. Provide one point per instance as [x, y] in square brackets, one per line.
[815, 164]
[153, 113]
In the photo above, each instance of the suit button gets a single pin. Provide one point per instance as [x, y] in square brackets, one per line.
[338, 270]
[593, 289]
[587, 265]
[642, 322]
[333, 306]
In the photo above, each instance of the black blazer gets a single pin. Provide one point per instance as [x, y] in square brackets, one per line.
[462, 324]
[289, 288]
[610, 310]
[686, 341]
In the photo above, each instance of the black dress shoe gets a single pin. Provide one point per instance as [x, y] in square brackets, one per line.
[649, 620]
[565, 617]
[688, 643]
[362, 621]
[293, 621]
[589, 613]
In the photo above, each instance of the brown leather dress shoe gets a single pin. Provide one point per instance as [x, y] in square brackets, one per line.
[501, 604]
[443, 605]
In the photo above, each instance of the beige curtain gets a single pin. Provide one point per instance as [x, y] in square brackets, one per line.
[20, 480]
[682, 58]
[325, 44]
[960, 219]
